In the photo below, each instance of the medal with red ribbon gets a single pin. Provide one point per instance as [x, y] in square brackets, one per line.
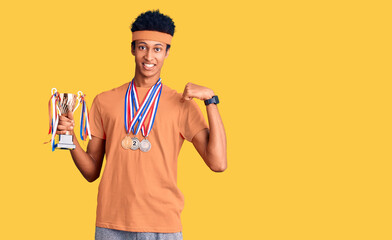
[135, 115]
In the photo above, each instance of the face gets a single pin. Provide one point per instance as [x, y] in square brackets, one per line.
[149, 57]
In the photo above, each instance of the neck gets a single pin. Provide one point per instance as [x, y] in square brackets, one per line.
[145, 82]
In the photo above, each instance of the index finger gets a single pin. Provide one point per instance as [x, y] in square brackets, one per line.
[64, 118]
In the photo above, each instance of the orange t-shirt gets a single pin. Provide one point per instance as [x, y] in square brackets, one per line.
[138, 190]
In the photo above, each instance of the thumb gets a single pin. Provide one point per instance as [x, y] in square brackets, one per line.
[185, 96]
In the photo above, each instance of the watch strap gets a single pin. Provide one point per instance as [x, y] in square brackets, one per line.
[214, 100]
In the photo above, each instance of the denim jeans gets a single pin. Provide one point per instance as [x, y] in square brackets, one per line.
[114, 234]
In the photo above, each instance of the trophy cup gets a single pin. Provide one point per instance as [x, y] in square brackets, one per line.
[62, 104]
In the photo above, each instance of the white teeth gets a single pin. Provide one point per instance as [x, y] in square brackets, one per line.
[148, 65]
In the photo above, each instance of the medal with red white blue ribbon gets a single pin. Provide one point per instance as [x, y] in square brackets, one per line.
[135, 115]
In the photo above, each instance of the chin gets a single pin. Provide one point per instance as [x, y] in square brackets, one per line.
[146, 73]
[149, 74]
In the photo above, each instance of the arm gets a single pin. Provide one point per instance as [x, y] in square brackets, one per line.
[211, 144]
[89, 163]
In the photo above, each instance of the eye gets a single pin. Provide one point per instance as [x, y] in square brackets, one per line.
[142, 47]
[158, 49]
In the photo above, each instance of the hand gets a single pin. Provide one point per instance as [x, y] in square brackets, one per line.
[195, 91]
[66, 124]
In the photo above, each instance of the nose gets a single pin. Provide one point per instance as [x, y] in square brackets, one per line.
[149, 55]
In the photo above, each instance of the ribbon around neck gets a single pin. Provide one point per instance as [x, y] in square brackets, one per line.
[135, 114]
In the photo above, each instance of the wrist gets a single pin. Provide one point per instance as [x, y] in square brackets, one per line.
[209, 95]
[212, 101]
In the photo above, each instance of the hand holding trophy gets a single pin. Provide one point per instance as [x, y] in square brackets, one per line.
[63, 106]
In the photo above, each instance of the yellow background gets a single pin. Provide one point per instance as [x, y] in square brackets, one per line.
[305, 92]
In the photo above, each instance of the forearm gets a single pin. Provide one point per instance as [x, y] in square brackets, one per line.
[216, 151]
[84, 162]
[210, 145]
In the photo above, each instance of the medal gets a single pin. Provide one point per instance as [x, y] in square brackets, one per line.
[135, 116]
[130, 143]
[126, 142]
[135, 144]
[145, 145]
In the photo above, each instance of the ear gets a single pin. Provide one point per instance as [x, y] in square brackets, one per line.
[167, 53]
[133, 50]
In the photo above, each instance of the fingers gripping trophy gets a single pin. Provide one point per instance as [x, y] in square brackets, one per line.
[62, 104]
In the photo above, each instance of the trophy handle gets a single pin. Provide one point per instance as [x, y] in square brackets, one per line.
[80, 93]
[54, 90]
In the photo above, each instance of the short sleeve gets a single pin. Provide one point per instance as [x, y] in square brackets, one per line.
[191, 120]
[96, 123]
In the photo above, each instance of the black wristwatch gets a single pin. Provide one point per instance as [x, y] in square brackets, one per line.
[214, 100]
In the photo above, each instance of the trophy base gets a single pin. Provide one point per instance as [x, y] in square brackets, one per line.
[65, 142]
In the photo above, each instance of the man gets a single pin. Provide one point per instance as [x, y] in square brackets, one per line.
[141, 126]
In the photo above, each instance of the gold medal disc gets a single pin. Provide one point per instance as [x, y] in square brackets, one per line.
[126, 143]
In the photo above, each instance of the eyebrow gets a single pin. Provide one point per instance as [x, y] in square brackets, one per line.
[154, 45]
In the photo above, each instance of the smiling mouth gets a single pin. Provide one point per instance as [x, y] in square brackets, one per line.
[148, 66]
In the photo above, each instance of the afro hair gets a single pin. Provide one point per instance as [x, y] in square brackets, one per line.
[155, 21]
